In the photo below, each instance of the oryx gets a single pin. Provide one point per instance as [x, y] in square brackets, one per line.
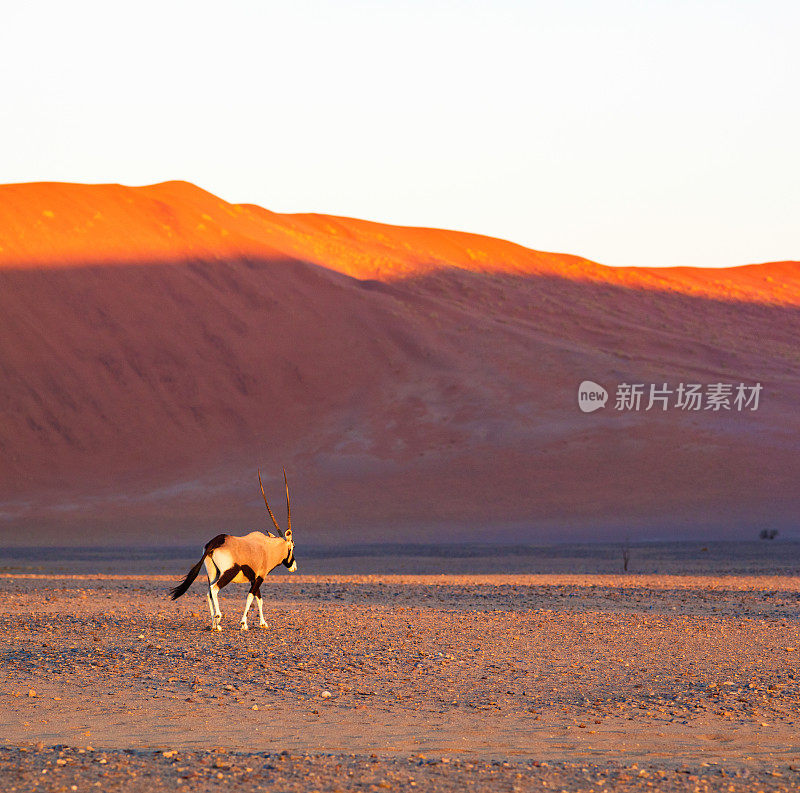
[242, 559]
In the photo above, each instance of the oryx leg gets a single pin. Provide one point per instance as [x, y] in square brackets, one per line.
[253, 593]
[248, 603]
[223, 580]
[211, 595]
[216, 619]
[262, 623]
[210, 602]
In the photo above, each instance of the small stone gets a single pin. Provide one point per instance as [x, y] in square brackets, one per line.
[326, 694]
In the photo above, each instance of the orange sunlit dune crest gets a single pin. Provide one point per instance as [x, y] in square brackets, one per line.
[57, 225]
[158, 343]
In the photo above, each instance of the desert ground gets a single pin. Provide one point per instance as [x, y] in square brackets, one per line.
[459, 681]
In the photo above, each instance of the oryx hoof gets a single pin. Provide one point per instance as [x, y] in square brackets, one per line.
[263, 625]
[243, 626]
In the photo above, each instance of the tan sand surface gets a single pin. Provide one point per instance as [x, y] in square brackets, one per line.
[689, 681]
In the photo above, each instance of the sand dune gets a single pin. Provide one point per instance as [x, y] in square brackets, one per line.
[158, 343]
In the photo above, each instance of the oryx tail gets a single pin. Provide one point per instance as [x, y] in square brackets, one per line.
[193, 573]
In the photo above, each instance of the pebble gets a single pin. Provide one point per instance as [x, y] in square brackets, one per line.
[621, 658]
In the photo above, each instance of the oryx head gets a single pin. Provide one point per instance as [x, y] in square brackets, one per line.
[289, 560]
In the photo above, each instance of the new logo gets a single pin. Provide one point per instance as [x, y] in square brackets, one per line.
[591, 396]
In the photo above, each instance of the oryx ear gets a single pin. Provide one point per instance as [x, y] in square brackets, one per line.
[288, 535]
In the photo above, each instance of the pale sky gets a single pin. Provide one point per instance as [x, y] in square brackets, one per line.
[632, 133]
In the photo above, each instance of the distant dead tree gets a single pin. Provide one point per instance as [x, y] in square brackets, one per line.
[768, 534]
[626, 556]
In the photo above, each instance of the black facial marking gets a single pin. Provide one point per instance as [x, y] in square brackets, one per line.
[289, 560]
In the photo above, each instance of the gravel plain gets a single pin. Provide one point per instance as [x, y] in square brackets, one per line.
[370, 682]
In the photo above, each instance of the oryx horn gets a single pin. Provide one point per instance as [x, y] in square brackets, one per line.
[280, 531]
[288, 505]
